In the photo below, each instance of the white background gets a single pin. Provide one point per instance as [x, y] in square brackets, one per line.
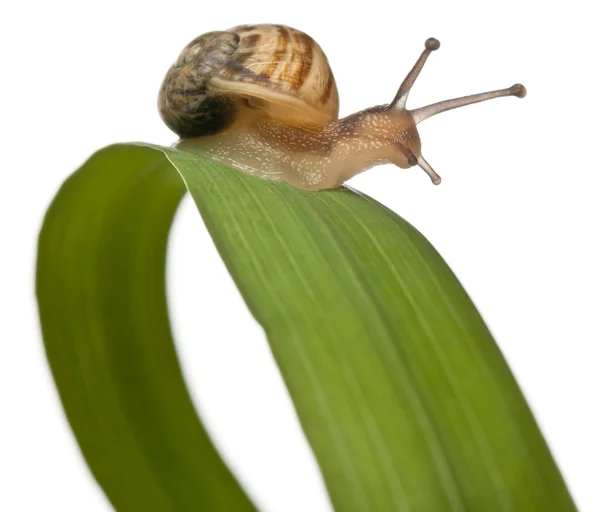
[516, 216]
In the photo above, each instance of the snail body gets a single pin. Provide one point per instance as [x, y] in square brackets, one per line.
[263, 99]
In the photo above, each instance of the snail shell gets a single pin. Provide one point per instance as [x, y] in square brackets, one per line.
[272, 67]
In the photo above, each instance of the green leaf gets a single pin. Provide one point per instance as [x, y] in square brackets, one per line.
[405, 398]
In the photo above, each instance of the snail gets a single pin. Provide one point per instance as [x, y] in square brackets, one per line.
[263, 99]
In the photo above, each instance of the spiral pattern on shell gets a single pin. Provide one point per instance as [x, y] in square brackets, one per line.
[280, 69]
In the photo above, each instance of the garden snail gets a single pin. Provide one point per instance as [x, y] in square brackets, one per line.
[263, 99]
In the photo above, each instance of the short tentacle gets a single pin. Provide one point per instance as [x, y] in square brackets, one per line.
[423, 164]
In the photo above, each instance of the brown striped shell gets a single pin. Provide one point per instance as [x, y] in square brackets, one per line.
[276, 68]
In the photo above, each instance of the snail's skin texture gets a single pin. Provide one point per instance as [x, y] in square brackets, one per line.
[263, 99]
[314, 159]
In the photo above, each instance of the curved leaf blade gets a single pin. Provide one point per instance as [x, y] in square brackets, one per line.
[402, 392]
